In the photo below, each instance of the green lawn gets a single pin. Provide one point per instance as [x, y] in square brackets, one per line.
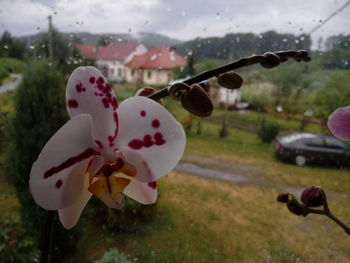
[202, 220]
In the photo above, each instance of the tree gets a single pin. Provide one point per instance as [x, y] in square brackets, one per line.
[10, 47]
[39, 112]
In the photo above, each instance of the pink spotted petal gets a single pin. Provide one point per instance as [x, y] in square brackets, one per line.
[57, 177]
[144, 193]
[339, 123]
[69, 216]
[88, 92]
[149, 138]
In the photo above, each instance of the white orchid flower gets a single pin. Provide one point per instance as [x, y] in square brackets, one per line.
[104, 149]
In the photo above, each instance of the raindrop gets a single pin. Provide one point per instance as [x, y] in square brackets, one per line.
[217, 16]
[302, 38]
[238, 39]
[49, 64]
[55, 13]
[168, 9]
[129, 30]
[43, 45]
[183, 13]
[119, 39]
[38, 28]
[279, 108]
[297, 41]
[289, 22]
[285, 40]
[320, 21]
[260, 36]
[301, 29]
[6, 47]
[31, 46]
[146, 23]
[39, 57]
[204, 29]
[189, 53]
[199, 45]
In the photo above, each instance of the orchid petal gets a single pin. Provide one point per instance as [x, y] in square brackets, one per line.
[149, 138]
[57, 177]
[144, 193]
[69, 216]
[89, 92]
[339, 123]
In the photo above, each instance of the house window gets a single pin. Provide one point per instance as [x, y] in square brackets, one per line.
[111, 71]
[149, 74]
[119, 72]
[132, 72]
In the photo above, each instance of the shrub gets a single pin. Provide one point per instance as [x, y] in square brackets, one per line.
[268, 130]
[15, 247]
[39, 111]
[12, 65]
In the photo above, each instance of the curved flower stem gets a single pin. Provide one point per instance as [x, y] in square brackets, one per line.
[329, 214]
[47, 236]
[300, 55]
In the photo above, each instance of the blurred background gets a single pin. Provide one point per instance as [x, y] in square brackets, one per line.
[219, 204]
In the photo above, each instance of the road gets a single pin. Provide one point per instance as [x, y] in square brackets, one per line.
[217, 169]
[12, 85]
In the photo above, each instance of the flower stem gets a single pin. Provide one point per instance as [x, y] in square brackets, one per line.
[47, 236]
[329, 214]
[243, 62]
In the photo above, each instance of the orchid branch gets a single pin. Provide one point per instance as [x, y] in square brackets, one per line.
[267, 60]
[311, 195]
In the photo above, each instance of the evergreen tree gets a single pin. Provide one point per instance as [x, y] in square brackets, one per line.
[39, 112]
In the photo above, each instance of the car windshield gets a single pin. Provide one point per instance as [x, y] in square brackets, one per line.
[296, 136]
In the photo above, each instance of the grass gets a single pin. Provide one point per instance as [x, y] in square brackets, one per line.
[7, 80]
[202, 220]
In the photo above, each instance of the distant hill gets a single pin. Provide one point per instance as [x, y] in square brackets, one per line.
[238, 45]
[149, 39]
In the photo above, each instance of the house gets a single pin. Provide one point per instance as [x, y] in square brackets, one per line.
[111, 59]
[154, 67]
[222, 97]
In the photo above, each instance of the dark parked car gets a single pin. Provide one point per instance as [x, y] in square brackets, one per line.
[304, 148]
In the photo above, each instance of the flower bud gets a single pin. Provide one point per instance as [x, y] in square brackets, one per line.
[282, 198]
[147, 91]
[177, 89]
[197, 101]
[296, 208]
[230, 80]
[271, 60]
[313, 196]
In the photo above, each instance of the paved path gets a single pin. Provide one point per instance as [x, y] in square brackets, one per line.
[12, 85]
[217, 169]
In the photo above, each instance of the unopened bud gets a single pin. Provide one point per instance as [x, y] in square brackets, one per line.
[197, 101]
[177, 89]
[147, 91]
[296, 208]
[230, 80]
[271, 60]
[313, 196]
[282, 198]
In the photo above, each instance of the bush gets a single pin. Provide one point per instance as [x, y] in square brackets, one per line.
[15, 247]
[113, 256]
[12, 65]
[268, 130]
[39, 111]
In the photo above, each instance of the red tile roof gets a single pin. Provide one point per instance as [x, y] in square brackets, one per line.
[159, 57]
[87, 51]
[114, 51]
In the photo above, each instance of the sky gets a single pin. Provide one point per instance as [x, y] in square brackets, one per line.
[180, 19]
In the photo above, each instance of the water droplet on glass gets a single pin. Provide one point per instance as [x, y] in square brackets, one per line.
[31, 46]
[302, 38]
[119, 39]
[260, 36]
[217, 16]
[289, 23]
[189, 53]
[129, 30]
[279, 108]
[49, 64]
[43, 45]
[168, 9]
[6, 47]
[301, 29]
[284, 40]
[146, 23]
[183, 13]
[320, 21]
[297, 41]
[38, 28]
[55, 13]
[204, 29]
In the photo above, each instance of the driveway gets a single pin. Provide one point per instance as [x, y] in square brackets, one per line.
[12, 85]
[217, 169]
